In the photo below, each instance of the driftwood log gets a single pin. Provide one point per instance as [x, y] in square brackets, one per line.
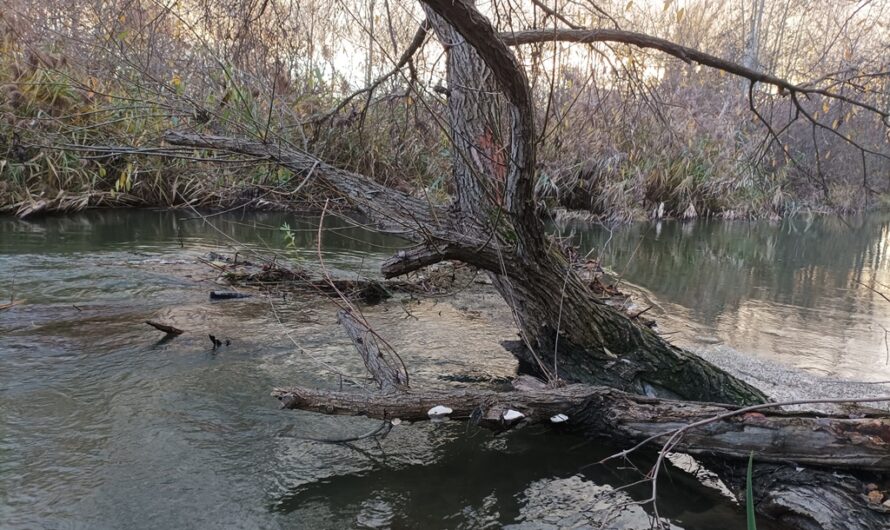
[773, 435]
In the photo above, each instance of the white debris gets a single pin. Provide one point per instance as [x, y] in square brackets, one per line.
[512, 415]
[395, 421]
[559, 418]
[439, 411]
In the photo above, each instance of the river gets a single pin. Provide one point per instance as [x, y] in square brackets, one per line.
[105, 425]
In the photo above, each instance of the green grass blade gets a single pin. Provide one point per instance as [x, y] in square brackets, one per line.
[749, 494]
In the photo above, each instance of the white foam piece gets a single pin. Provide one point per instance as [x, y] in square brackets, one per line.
[439, 410]
[512, 415]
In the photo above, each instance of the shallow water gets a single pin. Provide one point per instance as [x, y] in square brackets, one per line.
[105, 425]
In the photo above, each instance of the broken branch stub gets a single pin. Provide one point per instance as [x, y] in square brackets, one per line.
[385, 370]
[166, 328]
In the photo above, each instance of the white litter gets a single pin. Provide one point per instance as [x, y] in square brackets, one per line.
[559, 418]
[512, 415]
[438, 411]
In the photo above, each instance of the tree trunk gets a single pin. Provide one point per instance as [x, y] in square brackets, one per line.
[567, 333]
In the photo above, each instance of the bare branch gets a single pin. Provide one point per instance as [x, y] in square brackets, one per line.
[395, 211]
[387, 375]
[413, 47]
[684, 53]
[442, 235]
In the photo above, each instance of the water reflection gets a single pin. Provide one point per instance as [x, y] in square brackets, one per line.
[787, 291]
[104, 425]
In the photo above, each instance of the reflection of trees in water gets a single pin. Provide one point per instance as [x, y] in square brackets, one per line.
[713, 267]
[710, 267]
[457, 488]
[128, 229]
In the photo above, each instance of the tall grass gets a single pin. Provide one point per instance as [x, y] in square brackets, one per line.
[73, 135]
[71, 140]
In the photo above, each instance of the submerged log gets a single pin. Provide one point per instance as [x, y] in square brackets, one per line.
[773, 435]
[806, 498]
[10, 304]
[272, 275]
[227, 295]
[389, 375]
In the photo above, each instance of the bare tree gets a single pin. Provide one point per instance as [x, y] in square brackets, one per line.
[496, 225]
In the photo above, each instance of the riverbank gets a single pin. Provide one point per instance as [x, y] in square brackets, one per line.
[288, 196]
[21, 203]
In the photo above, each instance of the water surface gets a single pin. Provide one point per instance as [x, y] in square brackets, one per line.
[105, 425]
[807, 291]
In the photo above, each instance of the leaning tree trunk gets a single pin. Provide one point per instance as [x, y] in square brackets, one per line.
[566, 333]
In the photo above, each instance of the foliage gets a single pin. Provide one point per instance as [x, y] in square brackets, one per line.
[623, 134]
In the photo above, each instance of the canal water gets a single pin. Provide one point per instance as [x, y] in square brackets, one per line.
[104, 424]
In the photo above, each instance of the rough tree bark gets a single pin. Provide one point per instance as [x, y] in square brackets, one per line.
[567, 334]
[775, 436]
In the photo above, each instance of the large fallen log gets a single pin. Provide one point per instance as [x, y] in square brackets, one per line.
[804, 459]
[773, 435]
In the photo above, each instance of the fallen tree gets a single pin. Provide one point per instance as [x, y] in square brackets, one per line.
[772, 434]
[797, 496]
[567, 335]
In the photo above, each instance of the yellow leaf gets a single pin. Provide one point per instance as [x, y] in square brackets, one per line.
[680, 13]
[825, 107]
[667, 4]
[629, 5]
